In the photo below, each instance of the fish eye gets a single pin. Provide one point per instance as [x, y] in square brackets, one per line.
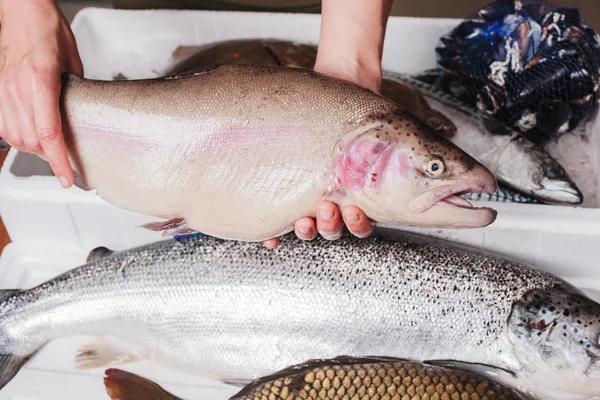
[434, 168]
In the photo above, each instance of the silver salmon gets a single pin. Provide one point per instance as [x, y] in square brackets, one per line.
[242, 152]
[236, 311]
[337, 379]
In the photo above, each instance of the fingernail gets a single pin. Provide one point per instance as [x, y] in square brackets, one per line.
[326, 214]
[335, 235]
[64, 182]
[304, 229]
[352, 217]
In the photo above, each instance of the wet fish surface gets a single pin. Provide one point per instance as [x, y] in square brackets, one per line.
[237, 311]
[242, 152]
[336, 379]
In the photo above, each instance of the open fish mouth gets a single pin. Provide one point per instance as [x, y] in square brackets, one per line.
[444, 203]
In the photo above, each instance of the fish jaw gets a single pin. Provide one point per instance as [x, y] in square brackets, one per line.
[384, 172]
[444, 203]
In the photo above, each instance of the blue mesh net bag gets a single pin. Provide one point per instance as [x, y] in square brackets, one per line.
[531, 63]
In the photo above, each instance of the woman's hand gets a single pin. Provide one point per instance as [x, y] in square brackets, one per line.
[350, 48]
[36, 47]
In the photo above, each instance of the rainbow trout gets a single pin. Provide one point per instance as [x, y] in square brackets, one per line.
[242, 152]
[236, 311]
[337, 379]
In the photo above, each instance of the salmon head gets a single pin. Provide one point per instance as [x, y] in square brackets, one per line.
[398, 170]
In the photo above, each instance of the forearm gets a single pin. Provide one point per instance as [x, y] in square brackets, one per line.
[353, 32]
[24, 6]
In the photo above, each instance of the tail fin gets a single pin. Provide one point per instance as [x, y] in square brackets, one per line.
[3, 145]
[123, 385]
[9, 366]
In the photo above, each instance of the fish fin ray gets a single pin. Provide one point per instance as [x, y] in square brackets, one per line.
[98, 253]
[3, 145]
[102, 352]
[181, 231]
[169, 225]
[123, 385]
[300, 369]
[237, 382]
[79, 182]
[174, 227]
[10, 365]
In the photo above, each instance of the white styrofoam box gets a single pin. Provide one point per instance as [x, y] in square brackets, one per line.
[139, 43]
[36, 210]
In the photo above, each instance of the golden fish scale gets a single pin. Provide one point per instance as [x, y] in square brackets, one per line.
[406, 381]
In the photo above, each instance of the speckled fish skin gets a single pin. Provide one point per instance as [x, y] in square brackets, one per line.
[187, 59]
[238, 311]
[385, 378]
[516, 162]
[242, 152]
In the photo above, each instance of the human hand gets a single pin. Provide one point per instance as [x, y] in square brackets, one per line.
[36, 47]
[350, 48]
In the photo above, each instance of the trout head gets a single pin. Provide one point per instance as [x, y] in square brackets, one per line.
[399, 171]
[554, 334]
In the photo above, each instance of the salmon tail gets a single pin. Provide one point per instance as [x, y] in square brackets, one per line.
[123, 385]
[3, 145]
[10, 364]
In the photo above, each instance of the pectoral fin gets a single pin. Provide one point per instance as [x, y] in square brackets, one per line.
[10, 365]
[102, 352]
[175, 226]
[123, 385]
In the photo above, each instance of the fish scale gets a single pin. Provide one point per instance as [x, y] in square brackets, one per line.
[237, 310]
[244, 151]
[342, 378]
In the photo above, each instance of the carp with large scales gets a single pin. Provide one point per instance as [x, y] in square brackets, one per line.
[236, 311]
[343, 377]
